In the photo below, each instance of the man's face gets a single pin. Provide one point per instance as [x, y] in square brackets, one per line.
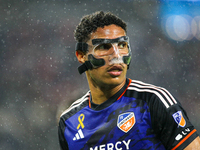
[111, 74]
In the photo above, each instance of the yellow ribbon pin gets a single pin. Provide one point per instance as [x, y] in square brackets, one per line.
[80, 120]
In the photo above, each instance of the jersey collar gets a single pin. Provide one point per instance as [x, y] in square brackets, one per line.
[111, 100]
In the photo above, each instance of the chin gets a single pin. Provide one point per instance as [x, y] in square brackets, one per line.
[116, 80]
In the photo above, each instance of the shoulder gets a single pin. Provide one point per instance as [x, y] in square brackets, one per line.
[150, 92]
[76, 106]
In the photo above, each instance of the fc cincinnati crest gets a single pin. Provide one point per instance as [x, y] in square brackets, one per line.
[178, 117]
[126, 121]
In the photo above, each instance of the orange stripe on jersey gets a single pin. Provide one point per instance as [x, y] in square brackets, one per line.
[89, 102]
[125, 89]
[120, 95]
[183, 140]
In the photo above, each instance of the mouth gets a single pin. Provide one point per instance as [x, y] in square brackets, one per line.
[115, 70]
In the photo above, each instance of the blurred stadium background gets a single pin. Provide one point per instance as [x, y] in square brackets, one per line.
[38, 68]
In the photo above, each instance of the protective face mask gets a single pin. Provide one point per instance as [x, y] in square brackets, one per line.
[110, 51]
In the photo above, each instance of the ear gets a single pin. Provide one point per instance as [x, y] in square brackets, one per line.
[80, 56]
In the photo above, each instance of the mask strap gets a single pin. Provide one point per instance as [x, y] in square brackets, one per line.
[87, 65]
[81, 46]
[91, 63]
[84, 67]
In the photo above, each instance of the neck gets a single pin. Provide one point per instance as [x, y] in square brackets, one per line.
[102, 93]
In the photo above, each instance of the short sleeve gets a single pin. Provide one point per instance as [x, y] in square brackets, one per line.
[171, 125]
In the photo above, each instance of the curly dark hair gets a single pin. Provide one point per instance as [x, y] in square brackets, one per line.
[90, 23]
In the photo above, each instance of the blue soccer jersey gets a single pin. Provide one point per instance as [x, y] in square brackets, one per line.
[138, 117]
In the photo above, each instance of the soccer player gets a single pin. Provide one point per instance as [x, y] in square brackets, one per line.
[119, 113]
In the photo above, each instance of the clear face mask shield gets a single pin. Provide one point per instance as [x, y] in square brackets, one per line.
[105, 51]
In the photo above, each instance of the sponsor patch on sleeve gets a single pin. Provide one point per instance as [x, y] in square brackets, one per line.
[179, 119]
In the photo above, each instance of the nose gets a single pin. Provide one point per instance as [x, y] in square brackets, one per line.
[116, 53]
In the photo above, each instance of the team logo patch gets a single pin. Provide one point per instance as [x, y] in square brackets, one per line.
[178, 117]
[126, 121]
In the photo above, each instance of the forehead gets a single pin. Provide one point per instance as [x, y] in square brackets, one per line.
[108, 32]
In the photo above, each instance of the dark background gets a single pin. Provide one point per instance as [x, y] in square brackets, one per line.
[38, 67]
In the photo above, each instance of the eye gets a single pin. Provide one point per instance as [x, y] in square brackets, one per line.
[122, 45]
[104, 46]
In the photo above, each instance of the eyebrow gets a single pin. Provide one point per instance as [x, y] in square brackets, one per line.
[104, 41]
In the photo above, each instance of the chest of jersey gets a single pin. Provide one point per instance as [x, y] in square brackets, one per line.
[124, 125]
